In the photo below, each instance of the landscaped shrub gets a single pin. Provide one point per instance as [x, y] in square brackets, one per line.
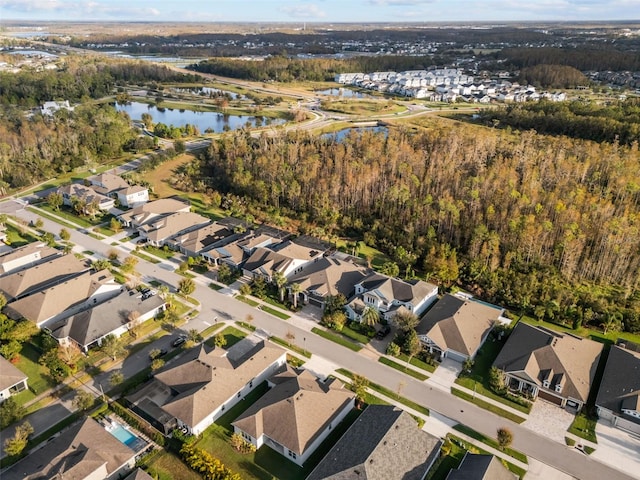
[241, 445]
[206, 464]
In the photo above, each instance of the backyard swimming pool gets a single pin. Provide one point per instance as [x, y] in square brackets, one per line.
[125, 436]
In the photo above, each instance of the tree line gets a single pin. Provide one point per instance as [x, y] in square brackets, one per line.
[530, 221]
[615, 122]
[552, 76]
[583, 57]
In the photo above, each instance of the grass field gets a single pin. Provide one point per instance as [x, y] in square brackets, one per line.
[336, 338]
[231, 334]
[487, 406]
[39, 379]
[402, 368]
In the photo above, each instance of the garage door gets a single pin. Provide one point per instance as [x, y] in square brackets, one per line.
[628, 425]
[549, 397]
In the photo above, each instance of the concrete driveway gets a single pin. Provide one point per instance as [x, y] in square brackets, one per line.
[618, 448]
[445, 375]
[549, 420]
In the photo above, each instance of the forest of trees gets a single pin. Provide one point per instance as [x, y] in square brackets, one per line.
[532, 222]
[284, 69]
[582, 58]
[80, 78]
[617, 122]
[552, 76]
[41, 147]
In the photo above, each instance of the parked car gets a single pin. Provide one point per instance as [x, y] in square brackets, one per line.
[383, 332]
[179, 341]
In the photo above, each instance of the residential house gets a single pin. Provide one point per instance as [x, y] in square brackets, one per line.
[117, 187]
[296, 415]
[12, 380]
[84, 451]
[138, 474]
[383, 443]
[205, 238]
[481, 467]
[150, 211]
[113, 317]
[26, 256]
[328, 277]
[133, 196]
[30, 279]
[618, 398]
[557, 367]
[161, 230]
[49, 108]
[388, 295]
[193, 391]
[457, 327]
[87, 195]
[65, 298]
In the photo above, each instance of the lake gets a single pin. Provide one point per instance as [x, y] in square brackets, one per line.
[207, 91]
[203, 120]
[342, 92]
[341, 134]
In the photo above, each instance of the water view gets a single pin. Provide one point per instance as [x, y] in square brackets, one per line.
[212, 121]
[208, 91]
[343, 92]
[341, 134]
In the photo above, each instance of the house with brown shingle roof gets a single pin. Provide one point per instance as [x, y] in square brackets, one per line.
[618, 397]
[204, 238]
[65, 298]
[384, 443]
[388, 295]
[150, 211]
[457, 327]
[480, 467]
[193, 391]
[115, 186]
[30, 279]
[296, 414]
[26, 256]
[84, 451]
[160, 230]
[12, 380]
[328, 277]
[85, 193]
[558, 367]
[88, 327]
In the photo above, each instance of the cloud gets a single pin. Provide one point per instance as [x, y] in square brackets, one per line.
[75, 8]
[310, 10]
[392, 3]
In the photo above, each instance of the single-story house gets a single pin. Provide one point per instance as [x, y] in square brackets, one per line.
[160, 230]
[481, 467]
[196, 389]
[34, 278]
[557, 367]
[204, 238]
[383, 443]
[87, 195]
[26, 256]
[387, 295]
[86, 450]
[618, 398]
[149, 211]
[328, 277]
[88, 327]
[457, 327]
[65, 298]
[12, 380]
[296, 415]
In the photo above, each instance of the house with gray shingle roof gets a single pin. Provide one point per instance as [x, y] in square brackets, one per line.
[618, 398]
[388, 295]
[115, 186]
[457, 327]
[150, 211]
[113, 317]
[12, 380]
[85, 193]
[384, 443]
[161, 230]
[194, 390]
[558, 367]
[480, 467]
[83, 451]
[296, 414]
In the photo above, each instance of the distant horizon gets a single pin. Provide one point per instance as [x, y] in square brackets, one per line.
[319, 11]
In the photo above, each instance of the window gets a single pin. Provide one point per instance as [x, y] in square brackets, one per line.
[558, 387]
[545, 384]
[292, 455]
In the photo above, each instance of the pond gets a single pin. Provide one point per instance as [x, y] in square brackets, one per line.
[208, 92]
[341, 134]
[213, 121]
[343, 92]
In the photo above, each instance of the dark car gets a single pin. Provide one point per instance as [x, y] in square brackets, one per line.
[163, 352]
[179, 341]
[383, 332]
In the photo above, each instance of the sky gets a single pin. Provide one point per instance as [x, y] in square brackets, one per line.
[300, 11]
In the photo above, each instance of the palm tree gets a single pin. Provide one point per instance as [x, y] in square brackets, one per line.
[280, 281]
[295, 289]
[370, 316]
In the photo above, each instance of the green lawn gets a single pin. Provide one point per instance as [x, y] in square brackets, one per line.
[486, 405]
[584, 427]
[39, 379]
[246, 300]
[402, 368]
[159, 252]
[70, 216]
[446, 463]
[246, 326]
[231, 334]
[16, 237]
[215, 286]
[148, 258]
[520, 472]
[339, 339]
[479, 378]
[416, 362]
[291, 346]
[353, 335]
[491, 442]
[274, 312]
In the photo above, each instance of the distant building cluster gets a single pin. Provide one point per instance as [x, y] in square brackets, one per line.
[446, 85]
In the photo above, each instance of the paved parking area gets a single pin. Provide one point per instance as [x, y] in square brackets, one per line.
[549, 420]
[618, 448]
